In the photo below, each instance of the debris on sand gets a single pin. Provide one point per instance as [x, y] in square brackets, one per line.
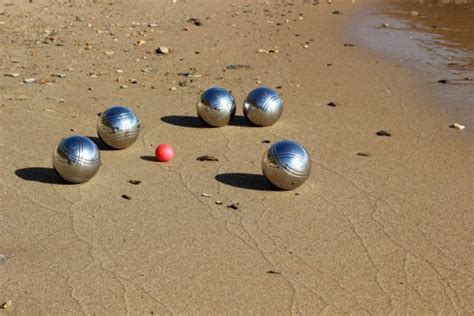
[6, 305]
[134, 182]
[126, 197]
[162, 50]
[383, 133]
[234, 206]
[332, 103]
[207, 158]
[363, 154]
[237, 66]
[457, 126]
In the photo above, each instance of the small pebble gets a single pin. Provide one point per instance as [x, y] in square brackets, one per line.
[126, 197]
[218, 202]
[29, 80]
[414, 13]
[443, 81]
[134, 182]
[3, 258]
[234, 206]
[124, 86]
[383, 133]
[162, 50]
[13, 75]
[7, 304]
[266, 141]
[385, 25]
[363, 154]
[207, 158]
[332, 103]
[457, 126]
[206, 195]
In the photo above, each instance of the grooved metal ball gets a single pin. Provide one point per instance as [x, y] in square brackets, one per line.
[216, 106]
[76, 159]
[118, 127]
[286, 164]
[263, 106]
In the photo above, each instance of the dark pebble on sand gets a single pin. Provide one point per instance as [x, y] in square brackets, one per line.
[134, 182]
[363, 154]
[266, 141]
[207, 158]
[383, 133]
[126, 197]
[234, 206]
[273, 272]
[332, 103]
[443, 81]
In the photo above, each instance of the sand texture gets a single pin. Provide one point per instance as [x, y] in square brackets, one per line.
[383, 225]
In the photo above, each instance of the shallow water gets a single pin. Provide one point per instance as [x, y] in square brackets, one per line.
[434, 36]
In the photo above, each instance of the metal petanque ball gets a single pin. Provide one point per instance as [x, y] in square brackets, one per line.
[263, 107]
[286, 164]
[216, 107]
[76, 159]
[118, 127]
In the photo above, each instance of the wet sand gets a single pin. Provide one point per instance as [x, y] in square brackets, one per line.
[433, 37]
[383, 225]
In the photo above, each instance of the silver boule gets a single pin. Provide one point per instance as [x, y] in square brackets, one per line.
[76, 159]
[216, 106]
[286, 164]
[118, 127]
[263, 106]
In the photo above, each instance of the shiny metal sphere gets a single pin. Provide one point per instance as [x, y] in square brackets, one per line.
[76, 159]
[263, 107]
[118, 127]
[286, 164]
[216, 106]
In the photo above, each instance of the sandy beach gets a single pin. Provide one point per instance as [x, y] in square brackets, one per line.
[382, 226]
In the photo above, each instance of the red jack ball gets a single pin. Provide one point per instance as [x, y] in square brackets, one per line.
[164, 152]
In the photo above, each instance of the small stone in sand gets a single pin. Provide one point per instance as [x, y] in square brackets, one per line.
[124, 86]
[3, 258]
[457, 126]
[234, 206]
[363, 154]
[218, 202]
[385, 25]
[443, 81]
[273, 272]
[7, 304]
[126, 197]
[383, 133]
[237, 66]
[29, 80]
[205, 195]
[13, 75]
[207, 158]
[336, 12]
[414, 13]
[266, 141]
[162, 50]
[348, 45]
[332, 103]
[134, 182]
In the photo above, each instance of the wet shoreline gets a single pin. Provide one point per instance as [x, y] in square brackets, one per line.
[435, 38]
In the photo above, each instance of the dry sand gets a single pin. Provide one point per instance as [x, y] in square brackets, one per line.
[387, 233]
